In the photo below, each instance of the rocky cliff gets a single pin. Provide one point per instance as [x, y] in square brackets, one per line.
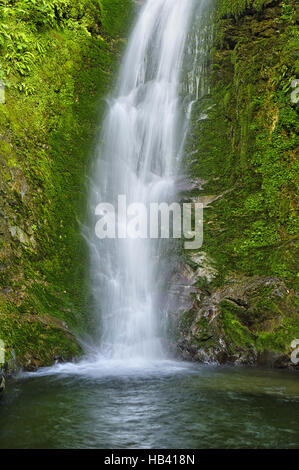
[58, 60]
[242, 162]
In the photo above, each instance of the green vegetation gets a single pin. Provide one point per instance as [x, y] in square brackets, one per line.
[58, 59]
[246, 152]
[239, 7]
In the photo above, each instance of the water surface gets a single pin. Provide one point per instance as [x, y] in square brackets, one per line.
[173, 406]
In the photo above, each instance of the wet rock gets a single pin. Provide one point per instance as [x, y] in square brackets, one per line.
[274, 359]
[204, 266]
[224, 323]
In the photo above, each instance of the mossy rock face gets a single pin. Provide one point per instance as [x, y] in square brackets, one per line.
[33, 341]
[243, 155]
[58, 61]
[244, 321]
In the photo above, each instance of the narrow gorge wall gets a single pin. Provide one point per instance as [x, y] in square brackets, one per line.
[241, 156]
[58, 60]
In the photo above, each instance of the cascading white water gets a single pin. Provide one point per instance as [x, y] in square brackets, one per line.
[139, 157]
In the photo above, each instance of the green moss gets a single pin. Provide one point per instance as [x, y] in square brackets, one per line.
[246, 153]
[236, 333]
[35, 341]
[187, 320]
[59, 60]
[280, 339]
[238, 7]
[246, 149]
[115, 14]
[205, 335]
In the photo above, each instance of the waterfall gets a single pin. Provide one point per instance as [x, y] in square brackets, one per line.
[139, 157]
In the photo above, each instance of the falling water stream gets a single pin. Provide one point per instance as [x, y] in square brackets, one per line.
[127, 392]
[139, 158]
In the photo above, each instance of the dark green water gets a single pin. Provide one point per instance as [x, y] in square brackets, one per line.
[200, 407]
